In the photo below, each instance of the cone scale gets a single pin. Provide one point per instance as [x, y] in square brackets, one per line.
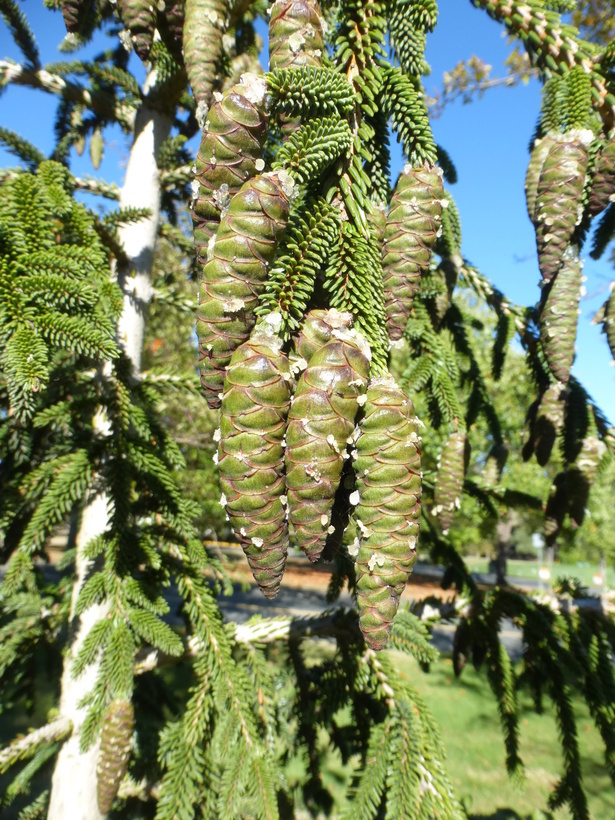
[251, 453]
[320, 424]
[388, 469]
[410, 235]
[233, 279]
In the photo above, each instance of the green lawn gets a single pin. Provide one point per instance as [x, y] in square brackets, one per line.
[467, 714]
[529, 569]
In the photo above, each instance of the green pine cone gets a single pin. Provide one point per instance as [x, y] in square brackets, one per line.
[549, 421]
[171, 25]
[581, 475]
[205, 22]
[320, 424]
[251, 452]
[538, 156]
[235, 276]
[494, 465]
[231, 146]
[118, 726]
[603, 179]
[139, 19]
[295, 34]
[387, 463]
[410, 235]
[559, 198]
[449, 481]
[558, 319]
[317, 329]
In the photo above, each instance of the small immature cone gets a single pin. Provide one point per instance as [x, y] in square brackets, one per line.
[410, 235]
[558, 199]
[251, 452]
[387, 463]
[558, 318]
[581, 475]
[205, 22]
[449, 482]
[320, 425]
[295, 40]
[235, 276]
[118, 727]
[603, 179]
[540, 152]
[549, 421]
[139, 19]
[231, 146]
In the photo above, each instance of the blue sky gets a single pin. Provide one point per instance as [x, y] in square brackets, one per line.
[486, 139]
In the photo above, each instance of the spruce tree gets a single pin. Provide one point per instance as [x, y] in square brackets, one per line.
[331, 303]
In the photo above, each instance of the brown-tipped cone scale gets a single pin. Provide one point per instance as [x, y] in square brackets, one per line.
[449, 480]
[603, 179]
[559, 198]
[411, 231]
[540, 151]
[231, 146]
[235, 276]
[581, 475]
[139, 19]
[320, 425]
[255, 406]
[295, 34]
[387, 462]
[549, 421]
[205, 22]
[115, 744]
[558, 317]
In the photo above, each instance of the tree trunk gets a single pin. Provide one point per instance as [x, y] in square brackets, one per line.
[73, 791]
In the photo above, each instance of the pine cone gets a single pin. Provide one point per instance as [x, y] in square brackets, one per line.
[494, 466]
[171, 26]
[202, 42]
[231, 145]
[251, 452]
[118, 726]
[558, 319]
[538, 156]
[410, 235]
[558, 199]
[139, 19]
[295, 34]
[75, 14]
[388, 469]
[603, 179]
[320, 422]
[549, 421]
[449, 482]
[555, 511]
[316, 330]
[233, 279]
[581, 475]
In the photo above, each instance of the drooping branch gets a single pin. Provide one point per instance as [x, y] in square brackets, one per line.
[26, 746]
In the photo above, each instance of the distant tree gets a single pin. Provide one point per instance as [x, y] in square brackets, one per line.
[329, 299]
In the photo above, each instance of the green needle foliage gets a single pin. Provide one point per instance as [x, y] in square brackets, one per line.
[333, 300]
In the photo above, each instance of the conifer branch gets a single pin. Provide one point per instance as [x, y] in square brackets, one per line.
[25, 747]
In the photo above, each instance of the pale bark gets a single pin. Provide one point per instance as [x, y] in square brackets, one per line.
[73, 792]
